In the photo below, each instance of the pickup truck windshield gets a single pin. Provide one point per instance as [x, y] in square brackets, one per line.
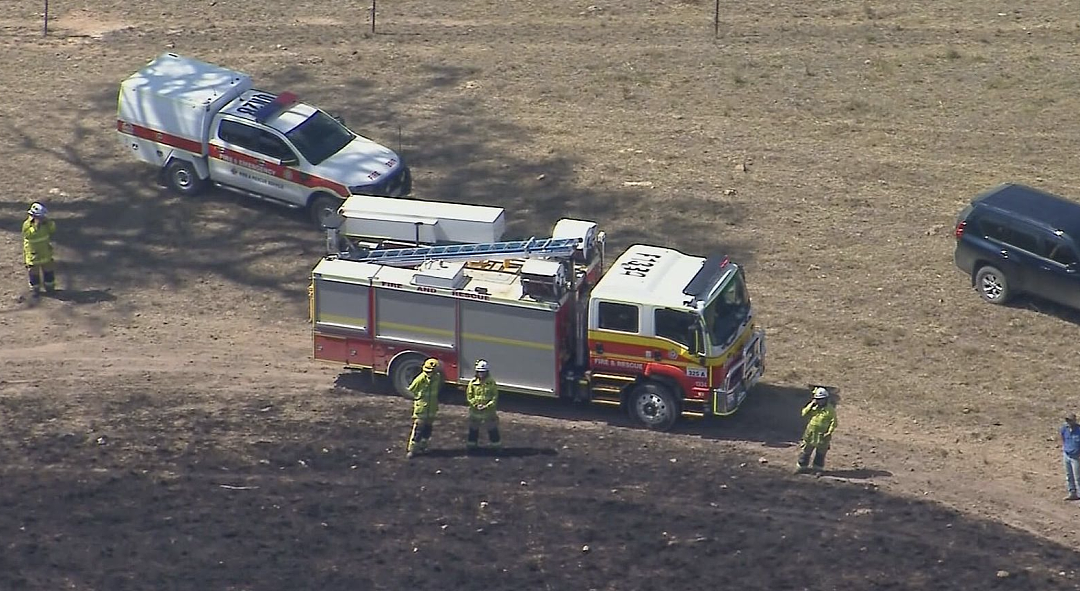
[727, 312]
[320, 137]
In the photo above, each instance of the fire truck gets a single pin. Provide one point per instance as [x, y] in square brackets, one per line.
[660, 333]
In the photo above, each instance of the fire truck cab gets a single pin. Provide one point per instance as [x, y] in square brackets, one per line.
[673, 334]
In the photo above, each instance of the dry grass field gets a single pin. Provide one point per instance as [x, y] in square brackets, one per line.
[828, 145]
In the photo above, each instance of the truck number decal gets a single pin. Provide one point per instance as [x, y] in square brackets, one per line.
[254, 103]
[640, 265]
[697, 372]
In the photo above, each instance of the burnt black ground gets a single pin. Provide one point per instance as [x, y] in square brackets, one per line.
[183, 492]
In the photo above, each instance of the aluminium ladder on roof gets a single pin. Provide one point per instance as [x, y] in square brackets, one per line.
[407, 257]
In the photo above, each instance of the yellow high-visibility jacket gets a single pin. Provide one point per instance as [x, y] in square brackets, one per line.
[37, 241]
[480, 392]
[425, 390]
[821, 425]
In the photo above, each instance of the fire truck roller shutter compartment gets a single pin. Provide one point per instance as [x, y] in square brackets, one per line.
[414, 317]
[518, 341]
[341, 305]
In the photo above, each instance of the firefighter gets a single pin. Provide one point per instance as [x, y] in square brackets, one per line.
[819, 431]
[482, 394]
[425, 390]
[37, 232]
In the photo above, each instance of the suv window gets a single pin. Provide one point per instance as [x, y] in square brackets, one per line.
[254, 139]
[620, 317]
[1062, 253]
[676, 326]
[1012, 235]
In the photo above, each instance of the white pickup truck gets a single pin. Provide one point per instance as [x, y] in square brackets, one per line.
[205, 124]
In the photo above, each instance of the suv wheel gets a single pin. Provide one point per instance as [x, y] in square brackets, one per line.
[993, 286]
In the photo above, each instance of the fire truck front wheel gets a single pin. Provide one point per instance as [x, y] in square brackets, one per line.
[403, 371]
[182, 178]
[653, 406]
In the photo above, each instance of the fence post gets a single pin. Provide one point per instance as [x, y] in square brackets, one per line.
[716, 20]
[372, 17]
[45, 22]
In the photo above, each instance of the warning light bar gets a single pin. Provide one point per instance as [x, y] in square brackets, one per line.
[280, 103]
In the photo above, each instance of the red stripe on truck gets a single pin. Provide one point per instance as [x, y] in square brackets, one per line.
[286, 173]
[160, 137]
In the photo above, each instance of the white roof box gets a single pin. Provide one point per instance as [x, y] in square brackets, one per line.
[429, 222]
[178, 95]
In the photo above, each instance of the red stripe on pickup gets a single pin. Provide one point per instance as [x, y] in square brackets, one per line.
[282, 172]
[160, 137]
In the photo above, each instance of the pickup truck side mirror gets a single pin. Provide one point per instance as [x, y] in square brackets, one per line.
[291, 161]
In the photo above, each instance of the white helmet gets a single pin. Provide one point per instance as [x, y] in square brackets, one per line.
[481, 365]
[37, 210]
[820, 393]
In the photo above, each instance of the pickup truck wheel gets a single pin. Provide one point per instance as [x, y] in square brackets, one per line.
[403, 371]
[182, 178]
[653, 406]
[322, 208]
[992, 284]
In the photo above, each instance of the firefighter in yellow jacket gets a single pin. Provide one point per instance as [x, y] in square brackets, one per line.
[482, 394]
[819, 431]
[37, 233]
[425, 390]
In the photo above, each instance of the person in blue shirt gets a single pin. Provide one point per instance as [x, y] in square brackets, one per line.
[1070, 445]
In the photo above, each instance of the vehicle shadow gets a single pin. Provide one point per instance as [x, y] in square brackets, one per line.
[1042, 306]
[771, 414]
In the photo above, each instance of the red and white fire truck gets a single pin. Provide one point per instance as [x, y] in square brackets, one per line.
[660, 333]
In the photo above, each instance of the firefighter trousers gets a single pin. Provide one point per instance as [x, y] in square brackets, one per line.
[42, 273]
[420, 435]
[477, 420]
[818, 451]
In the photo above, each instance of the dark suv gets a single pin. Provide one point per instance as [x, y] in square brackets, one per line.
[1015, 239]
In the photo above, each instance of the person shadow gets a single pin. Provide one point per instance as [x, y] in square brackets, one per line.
[84, 296]
[506, 452]
[857, 473]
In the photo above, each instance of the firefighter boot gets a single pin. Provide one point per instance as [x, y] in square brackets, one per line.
[50, 280]
[495, 438]
[473, 440]
[819, 461]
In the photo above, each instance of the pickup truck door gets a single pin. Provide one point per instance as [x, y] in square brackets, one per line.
[255, 159]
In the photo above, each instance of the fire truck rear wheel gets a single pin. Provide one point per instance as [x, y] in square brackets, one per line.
[322, 208]
[182, 178]
[653, 406]
[403, 371]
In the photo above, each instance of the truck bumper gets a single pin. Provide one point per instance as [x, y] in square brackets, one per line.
[741, 377]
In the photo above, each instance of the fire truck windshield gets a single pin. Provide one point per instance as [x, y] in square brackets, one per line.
[726, 314]
[320, 137]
